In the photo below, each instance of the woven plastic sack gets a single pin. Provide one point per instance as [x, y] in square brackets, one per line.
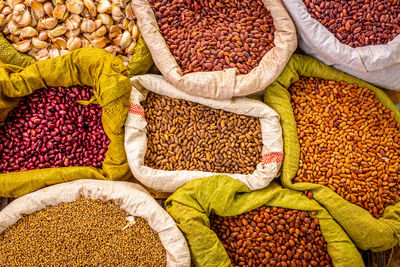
[366, 231]
[169, 181]
[140, 63]
[226, 83]
[191, 205]
[377, 64]
[130, 197]
[87, 66]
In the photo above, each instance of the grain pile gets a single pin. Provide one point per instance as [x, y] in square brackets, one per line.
[84, 232]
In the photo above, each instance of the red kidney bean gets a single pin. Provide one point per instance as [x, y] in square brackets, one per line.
[212, 35]
[49, 129]
[358, 23]
[272, 236]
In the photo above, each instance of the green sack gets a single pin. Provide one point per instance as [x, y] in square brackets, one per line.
[191, 205]
[141, 62]
[366, 231]
[87, 66]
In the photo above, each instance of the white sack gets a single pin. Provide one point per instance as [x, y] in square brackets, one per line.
[131, 197]
[377, 64]
[227, 83]
[169, 181]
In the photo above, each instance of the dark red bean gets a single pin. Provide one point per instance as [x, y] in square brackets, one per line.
[49, 129]
[358, 23]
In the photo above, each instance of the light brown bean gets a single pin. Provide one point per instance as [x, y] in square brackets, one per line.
[349, 142]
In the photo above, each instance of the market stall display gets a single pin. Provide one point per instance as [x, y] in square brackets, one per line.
[357, 37]
[214, 49]
[49, 129]
[172, 137]
[234, 110]
[90, 222]
[277, 226]
[341, 146]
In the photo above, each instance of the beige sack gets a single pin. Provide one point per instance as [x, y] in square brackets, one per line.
[226, 83]
[132, 198]
[377, 64]
[169, 181]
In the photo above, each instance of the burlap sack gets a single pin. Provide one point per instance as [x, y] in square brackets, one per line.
[227, 83]
[169, 181]
[140, 63]
[366, 231]
[192, 204]
[86, 66]
[132, 198]
[377, 64]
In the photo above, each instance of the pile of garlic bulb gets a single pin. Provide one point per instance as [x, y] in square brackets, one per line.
[47, 29]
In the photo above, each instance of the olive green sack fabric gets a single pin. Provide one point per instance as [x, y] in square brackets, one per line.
[9, 55]
[191, 205]
[365, 231]
[88, 66]
[141, 62]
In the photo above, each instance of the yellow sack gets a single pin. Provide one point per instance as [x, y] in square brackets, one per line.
[192, 204]
[140, 63]
[87, 66]
[366, 231]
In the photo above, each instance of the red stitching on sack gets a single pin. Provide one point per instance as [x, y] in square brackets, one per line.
[273, 157]
[136, 109]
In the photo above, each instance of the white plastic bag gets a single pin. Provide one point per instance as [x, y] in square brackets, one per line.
[131, 197]
[169, 181]
[377, 64]
[227, 83]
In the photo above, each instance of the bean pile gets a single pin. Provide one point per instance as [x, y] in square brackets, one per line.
[271, 236]
[183, 135]
[81, 233]
[212, 35]
[358, 23]
[48, 129]
[349, 142]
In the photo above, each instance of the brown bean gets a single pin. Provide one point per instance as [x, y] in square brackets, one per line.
[309, 246]
[349, 142]
[358, 23]
[212, 35]
[183, 135]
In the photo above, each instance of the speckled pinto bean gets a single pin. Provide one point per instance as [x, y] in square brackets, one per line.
[212, 35]
[349, 142]
[358, 22]
[49, 129]
[183, 135]
[272, 236]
